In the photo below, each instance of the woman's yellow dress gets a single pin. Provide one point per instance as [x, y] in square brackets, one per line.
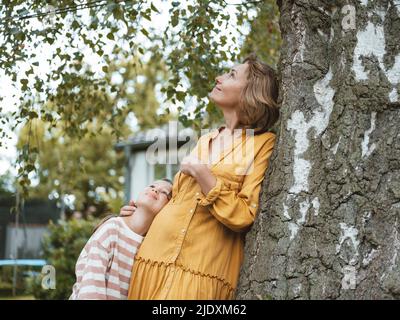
[194, 247]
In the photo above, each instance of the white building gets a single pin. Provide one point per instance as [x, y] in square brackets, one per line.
[154, 154]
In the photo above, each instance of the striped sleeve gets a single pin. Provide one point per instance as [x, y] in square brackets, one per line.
[93, 272]
[104, 267]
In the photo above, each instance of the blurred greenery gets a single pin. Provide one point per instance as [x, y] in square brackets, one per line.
[6, 184]
[22, 283]
[61, 249]
[264, 37]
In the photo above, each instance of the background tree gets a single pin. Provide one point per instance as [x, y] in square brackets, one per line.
[264, 37]
[328, 227]
[80, 173]
[86, 167]
[194, 45]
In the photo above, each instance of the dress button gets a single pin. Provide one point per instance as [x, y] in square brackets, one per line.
[183, 230]
[197, 193]
[191, 210]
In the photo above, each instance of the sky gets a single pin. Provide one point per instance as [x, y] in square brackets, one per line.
[11, 92]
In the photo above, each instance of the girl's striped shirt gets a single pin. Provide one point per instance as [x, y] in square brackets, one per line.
[104, 267]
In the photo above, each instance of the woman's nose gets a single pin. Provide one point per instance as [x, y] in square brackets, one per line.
[218, 80]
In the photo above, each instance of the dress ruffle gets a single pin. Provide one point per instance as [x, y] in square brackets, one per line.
[161, 280]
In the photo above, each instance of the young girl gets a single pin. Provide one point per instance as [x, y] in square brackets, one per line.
[103, 269]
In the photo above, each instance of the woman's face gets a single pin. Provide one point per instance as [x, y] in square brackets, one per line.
[229, 86]
[155, 196]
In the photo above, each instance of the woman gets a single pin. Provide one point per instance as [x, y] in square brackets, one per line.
[194, 248]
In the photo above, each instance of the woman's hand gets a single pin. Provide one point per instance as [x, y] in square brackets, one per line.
[128, 210]
[192, 166]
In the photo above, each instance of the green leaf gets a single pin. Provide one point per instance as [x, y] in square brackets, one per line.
[175, 19]
[110, 36]
[145, 15]
[133, 14]
[33, 115]
[117, 13]
[154, 8]
[145, 32]
[30, 167]
[20, 36]
[75, 25]
[30, 71]
[48, 117]
[180, 95]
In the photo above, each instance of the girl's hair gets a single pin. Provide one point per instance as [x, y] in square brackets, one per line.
[102, 221]
[108, 217]
[258, 107]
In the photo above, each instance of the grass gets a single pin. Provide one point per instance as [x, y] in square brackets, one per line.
[20, 297]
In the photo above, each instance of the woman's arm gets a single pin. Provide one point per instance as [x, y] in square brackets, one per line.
[205, 179]
[236, 210]
[200, 172]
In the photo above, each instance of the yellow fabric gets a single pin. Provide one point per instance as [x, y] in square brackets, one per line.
[194, 247]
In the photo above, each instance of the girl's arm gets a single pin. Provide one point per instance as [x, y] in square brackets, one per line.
[91, 267]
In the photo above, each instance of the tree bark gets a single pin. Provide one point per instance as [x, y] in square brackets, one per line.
[329, 220]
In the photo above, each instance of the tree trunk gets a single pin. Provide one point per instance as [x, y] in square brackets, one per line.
[329, 223]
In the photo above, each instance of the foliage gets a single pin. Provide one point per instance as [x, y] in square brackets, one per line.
[88, 169]
[193, 47]
[6, 279]
[61, 249]
[264, 37]
[6, 185]
[23, 281]
[86, 166]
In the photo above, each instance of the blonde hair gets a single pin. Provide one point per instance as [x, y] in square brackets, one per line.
[258, 107]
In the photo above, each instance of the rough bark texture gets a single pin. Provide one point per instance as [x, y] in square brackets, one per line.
[329, 223]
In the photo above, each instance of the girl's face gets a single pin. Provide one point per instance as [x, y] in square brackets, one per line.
[155, 196]
[229, 86]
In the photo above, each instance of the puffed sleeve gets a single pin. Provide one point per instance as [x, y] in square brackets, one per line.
[237, 210]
